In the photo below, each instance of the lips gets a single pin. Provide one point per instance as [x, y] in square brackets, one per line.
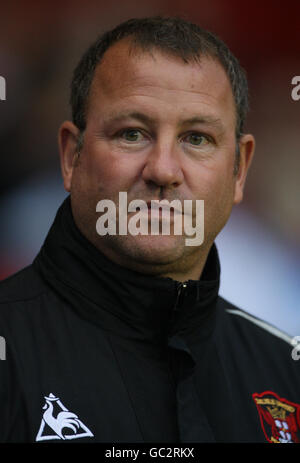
[161, 206]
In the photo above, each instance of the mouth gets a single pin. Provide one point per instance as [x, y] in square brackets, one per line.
[159, 206]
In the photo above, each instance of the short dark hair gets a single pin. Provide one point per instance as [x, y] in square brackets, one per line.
[172, 35]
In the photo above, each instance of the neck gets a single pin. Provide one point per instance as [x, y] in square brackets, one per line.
[182, 269]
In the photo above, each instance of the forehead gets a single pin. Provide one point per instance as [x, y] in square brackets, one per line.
[129, 75]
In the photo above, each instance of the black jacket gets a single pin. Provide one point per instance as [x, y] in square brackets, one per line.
[98, 353]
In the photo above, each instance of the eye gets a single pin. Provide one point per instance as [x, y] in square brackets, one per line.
[197, 139]
[131, 135]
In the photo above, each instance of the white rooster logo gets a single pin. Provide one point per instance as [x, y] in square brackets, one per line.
[64, 419]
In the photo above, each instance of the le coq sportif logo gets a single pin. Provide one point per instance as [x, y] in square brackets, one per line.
[59, 423]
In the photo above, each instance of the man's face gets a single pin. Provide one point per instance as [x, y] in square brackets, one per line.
[157, 128]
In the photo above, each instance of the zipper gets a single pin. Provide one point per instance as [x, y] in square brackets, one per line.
[180, 291]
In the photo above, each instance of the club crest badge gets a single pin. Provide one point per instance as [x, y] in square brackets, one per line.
[280, 418]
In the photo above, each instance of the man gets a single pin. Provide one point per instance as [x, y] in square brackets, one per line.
[122, 337]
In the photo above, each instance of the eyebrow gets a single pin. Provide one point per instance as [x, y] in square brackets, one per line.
[207, 120]
[130, 115]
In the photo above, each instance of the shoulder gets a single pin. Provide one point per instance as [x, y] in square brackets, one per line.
[22, 286]
[251, 335]
[265, 356]
[243, 320]
[21, 295]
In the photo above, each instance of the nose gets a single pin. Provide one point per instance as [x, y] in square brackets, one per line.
[162, 166]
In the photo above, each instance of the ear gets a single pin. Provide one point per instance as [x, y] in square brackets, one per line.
[67, 141]
[247, 147]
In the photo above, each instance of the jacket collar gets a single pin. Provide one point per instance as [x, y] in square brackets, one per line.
[120, 300]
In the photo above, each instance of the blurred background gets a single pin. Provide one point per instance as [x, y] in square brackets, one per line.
[40, 44]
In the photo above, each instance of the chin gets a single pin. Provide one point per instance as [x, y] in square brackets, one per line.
[151, 249]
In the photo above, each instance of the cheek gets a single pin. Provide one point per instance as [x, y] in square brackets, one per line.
[212, 183]
[104, 173]
[216, 187]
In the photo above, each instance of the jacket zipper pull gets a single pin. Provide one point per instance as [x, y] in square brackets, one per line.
[180, 289]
